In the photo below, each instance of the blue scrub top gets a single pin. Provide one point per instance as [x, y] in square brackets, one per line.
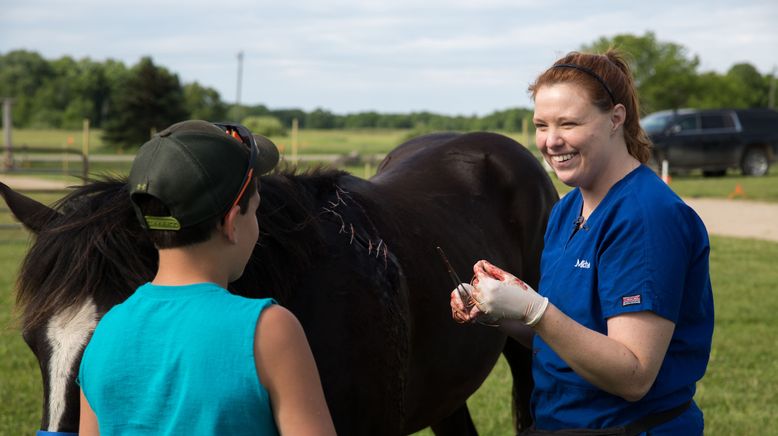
[641, 249]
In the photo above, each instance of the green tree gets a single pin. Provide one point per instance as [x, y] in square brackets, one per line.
[665, 74]
[22, 73]
[76, 90]
[751, 88]
[362, 120]
[264, 125]
[204, 103]
[93, 88]
[320, 119]
[150, 99]
[287, 115]
[712, 90]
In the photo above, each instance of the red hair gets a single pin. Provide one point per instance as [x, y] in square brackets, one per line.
[607, 80]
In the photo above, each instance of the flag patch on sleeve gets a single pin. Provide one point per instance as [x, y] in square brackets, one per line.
[630, 300]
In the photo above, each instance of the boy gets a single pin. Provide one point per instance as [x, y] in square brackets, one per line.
[182, 355]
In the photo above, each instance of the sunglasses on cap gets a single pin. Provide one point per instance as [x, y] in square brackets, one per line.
[242, 134]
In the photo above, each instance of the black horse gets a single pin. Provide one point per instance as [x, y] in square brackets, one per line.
[355, 261]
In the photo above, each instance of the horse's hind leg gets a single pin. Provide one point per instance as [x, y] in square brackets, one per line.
[520, 361]
[458, 423]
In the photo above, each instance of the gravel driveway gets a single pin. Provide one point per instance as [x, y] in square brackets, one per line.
[739, 218]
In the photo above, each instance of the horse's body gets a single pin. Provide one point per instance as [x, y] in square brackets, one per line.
[354, 260]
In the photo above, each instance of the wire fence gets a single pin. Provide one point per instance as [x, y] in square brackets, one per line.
[47, 172]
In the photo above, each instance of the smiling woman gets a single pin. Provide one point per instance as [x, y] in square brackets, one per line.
[623, 319]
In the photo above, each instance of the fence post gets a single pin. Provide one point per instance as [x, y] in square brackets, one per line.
[9, 156]
[85, 151]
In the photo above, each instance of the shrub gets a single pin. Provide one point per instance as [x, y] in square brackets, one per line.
[264, 125]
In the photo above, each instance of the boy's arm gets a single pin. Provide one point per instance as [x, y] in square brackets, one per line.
[286, 368]
[87, 424]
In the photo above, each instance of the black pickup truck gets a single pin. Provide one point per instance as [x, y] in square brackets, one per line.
[715, 140]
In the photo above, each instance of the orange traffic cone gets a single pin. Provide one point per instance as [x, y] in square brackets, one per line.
[738, 192]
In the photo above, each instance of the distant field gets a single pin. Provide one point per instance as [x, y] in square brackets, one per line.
[368, 142]
[54, 138]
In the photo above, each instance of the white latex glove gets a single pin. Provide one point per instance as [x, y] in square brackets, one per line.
[500, 294]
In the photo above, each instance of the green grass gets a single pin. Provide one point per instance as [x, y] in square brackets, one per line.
[738, 394]
[20, 382]
[364, 141]
[740, 391]
[694, 185]
[56, 138]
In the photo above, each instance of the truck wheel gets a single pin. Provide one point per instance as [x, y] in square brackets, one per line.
[755, 162]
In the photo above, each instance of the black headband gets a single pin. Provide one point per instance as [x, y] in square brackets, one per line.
[590, 72]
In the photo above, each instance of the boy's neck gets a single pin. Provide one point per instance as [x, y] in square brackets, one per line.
[196, 263]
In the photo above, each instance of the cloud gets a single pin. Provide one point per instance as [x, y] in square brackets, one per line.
[451, 56]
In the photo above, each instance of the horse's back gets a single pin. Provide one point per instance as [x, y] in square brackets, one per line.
[477, 186]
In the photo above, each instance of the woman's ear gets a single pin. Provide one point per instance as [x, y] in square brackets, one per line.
[229, 226]
[618, 116]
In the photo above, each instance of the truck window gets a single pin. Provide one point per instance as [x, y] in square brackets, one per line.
[656, 123]
[687, 123]
[717, 121]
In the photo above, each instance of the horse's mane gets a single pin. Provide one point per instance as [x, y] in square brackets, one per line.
[95, 248]
[290, 230]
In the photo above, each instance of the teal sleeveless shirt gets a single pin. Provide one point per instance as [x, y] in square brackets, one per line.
[177, 360]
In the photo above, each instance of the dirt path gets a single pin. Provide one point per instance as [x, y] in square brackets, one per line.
[739, 218]
[31, 182]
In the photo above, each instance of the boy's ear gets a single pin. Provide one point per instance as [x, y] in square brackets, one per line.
[229, 226]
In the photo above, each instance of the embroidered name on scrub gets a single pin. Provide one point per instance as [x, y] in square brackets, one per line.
[582, 264]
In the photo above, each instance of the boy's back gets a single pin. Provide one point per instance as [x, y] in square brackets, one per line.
[167, 345]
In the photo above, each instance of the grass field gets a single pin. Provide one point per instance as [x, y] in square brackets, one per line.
[739, 394]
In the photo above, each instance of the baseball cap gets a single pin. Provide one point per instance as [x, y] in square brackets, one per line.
[198, 170]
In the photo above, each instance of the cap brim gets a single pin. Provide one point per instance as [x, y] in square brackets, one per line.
[268, 155]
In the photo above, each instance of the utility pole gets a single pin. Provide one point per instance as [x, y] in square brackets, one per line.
[771, 97]
[240, 77]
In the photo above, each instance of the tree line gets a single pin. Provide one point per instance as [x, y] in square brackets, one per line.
[128, 103]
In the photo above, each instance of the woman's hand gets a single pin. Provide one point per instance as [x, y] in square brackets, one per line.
[463, 308]
[499, 294]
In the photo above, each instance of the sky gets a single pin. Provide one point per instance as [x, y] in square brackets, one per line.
[452, 57]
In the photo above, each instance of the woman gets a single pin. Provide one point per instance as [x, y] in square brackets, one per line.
[621, 328]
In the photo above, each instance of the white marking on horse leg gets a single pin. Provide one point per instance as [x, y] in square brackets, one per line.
[67, 333]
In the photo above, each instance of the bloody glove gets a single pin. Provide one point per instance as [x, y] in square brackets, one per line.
[500, 294]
